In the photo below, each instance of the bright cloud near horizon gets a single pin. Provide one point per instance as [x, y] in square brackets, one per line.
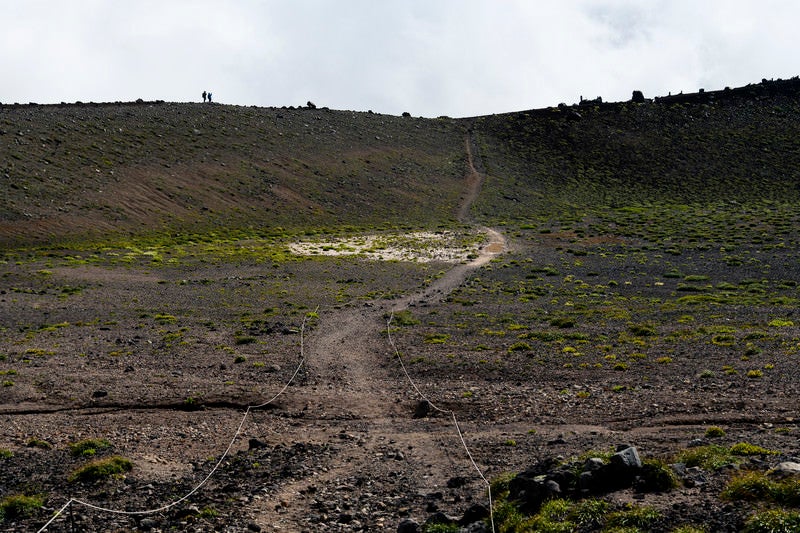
[427, 57]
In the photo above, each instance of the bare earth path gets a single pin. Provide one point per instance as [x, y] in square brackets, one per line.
[351, 454]
[356, 394]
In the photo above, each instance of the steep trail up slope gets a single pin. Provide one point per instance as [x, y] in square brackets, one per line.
[358, 397]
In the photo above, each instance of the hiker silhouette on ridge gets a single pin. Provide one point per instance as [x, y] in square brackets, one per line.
[204, 96]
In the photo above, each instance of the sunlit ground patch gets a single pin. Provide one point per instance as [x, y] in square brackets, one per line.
[420, 247]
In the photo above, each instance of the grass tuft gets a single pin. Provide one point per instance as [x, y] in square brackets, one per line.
[88, 447]
[100, 469]
[19, 505]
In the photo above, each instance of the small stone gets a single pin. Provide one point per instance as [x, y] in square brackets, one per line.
[147, 524]
[552, 487]
[785, 469]
[593, 464]
[679, 469]
[475, 513]
[456, 482]
[408, 526]
[255, 444]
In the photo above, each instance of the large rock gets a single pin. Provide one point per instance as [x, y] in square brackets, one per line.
[627, 458]
[620, 472]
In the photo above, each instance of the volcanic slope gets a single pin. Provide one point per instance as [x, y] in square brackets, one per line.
[648, 291]
[90, 171]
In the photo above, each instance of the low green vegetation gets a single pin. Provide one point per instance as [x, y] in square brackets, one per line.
[642, 518]
[760, 487]
[653, 254]
[17, 506]
[711, 457]
[88, 447]
[688, 529]
[165, 318]
[441, 528]
[208, 512]
[404, 318]
[436, 338]
[714, 456]
[773, 521]
[567, 516]
[100, 469]
[657, 476]
[35, 442]
[747, 449]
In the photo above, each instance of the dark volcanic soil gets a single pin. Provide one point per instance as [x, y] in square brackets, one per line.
[162, 359]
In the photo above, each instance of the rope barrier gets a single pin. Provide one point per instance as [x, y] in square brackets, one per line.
[443, 411]
[213, 470]
[250, 408]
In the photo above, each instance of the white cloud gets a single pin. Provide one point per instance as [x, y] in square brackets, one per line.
[428, 57]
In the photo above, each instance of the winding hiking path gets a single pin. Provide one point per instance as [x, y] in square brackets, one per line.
[358, 389]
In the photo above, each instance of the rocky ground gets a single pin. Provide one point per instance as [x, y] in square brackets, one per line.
[390, 391]
[346, 446]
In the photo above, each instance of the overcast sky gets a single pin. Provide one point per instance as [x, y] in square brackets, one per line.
[428, 57]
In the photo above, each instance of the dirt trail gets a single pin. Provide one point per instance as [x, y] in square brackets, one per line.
[474, 179]
[358, 389]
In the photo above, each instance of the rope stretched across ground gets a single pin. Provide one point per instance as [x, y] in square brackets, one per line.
[439, 288]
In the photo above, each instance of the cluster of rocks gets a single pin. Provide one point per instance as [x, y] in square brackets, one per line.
[555, 479]
[138, 101]
[473, 521]
[594, 476]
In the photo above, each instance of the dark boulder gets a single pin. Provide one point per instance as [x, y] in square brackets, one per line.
[475, 513]
[423, 409]
[531, 490]
[408, 526]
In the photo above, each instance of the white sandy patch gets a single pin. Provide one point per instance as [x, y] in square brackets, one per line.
[420, 247]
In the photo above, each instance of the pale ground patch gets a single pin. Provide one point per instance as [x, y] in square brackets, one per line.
[419, 247]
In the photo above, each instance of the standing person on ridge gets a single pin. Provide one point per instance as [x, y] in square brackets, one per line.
[209, 97]
[204, 96]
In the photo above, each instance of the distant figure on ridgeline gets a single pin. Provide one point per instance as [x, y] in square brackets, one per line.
[204, 96]
[209, 98]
